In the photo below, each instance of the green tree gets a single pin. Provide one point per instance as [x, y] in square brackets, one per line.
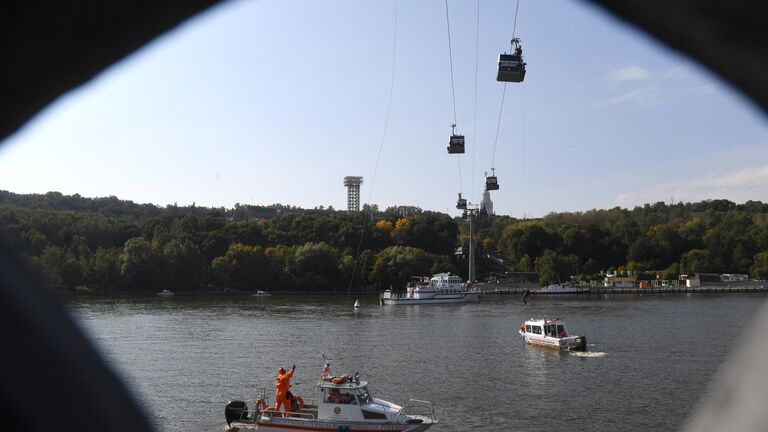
[395, 265]
[138, 265]
[694, 261]
[759, 268]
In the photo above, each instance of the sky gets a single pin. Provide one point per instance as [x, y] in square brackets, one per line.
[262, 102]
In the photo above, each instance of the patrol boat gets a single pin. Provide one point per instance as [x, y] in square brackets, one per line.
[440, 288]
[551, 332]
[345, 403]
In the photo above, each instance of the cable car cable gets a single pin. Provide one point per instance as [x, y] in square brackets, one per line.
[378, 155]
[453, 88]
[498, 125]
[450, 60]
[503, 94]
[474, 118]
[522, 114]
[514, 26]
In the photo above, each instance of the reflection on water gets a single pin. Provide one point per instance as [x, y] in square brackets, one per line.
[650, 358]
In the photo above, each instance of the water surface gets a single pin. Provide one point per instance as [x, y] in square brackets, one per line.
[650, 357]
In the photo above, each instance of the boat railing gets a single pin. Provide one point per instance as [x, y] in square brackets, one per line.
[272, 412]
[416, 408]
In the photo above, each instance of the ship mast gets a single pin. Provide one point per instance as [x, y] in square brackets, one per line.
[471, 275]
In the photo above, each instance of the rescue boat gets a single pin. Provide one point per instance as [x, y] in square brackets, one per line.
[344, 403]
[551, 332]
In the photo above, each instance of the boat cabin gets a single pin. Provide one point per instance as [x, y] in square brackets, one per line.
[351, 401]
[511, 66]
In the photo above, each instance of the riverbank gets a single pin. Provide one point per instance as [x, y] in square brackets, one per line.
[755, 287]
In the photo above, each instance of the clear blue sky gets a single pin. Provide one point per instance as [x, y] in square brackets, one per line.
[260, 102]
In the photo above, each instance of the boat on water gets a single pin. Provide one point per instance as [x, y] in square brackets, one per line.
[438, 289]
[551, 332]
[166, 293]
[557, 289]
[261, 293]
[345, 403]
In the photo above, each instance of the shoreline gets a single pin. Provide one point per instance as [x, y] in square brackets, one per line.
[706, 289]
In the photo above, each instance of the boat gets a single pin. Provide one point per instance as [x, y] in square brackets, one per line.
[557, 289]
[551, 332]
[261, 293]
[439, 289]
[345, 403]
[357, 304]
[166, 293]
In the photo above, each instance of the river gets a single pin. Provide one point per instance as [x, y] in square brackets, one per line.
[650, 357]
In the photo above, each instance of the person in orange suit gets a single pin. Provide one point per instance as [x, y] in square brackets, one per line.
[282, 384]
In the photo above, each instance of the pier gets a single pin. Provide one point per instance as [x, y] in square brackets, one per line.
[599, 290]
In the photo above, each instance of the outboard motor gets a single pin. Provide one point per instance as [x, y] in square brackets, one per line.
[235, 410]
[580, 344]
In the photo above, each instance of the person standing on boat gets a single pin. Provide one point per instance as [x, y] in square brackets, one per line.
[282, 384]
[296, 402]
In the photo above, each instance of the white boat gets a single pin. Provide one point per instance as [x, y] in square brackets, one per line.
[439, 289]
[551, 332]
[556, 289]
[345, 403]
[166, 293]
[357, 304]
[261, 293]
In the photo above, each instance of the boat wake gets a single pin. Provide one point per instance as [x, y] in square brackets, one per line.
[587, 354]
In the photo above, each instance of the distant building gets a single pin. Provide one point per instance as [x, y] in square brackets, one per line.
[613, 281]
[701, 279]
[353, 192]
[486, 203]
[730, 278]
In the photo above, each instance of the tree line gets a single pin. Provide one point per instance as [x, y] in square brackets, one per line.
[113, 245]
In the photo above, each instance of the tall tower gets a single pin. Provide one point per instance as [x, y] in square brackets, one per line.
[486, 202]
[353, 192]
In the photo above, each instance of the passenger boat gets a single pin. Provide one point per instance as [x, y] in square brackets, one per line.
[345, 403]
[551, 332]
[439, 289]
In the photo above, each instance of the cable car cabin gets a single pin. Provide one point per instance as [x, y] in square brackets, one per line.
[461, 204]
[511, 68]
[491, 183]
[456, 144]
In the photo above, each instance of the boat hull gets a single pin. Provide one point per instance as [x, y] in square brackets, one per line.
[469, 297]
[287, 424]
[571, 343]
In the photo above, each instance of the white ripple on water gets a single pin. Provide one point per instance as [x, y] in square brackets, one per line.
[587, 354]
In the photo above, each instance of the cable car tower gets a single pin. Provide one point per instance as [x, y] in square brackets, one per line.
[353, 192]
[470, 211]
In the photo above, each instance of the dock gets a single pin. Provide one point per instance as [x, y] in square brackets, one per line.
[598, 290]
